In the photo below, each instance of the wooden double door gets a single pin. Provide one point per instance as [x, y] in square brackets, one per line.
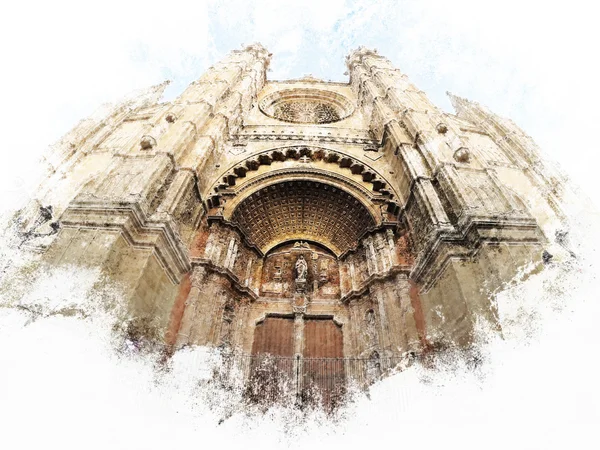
[303, 357]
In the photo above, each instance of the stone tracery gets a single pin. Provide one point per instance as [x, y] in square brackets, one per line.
[306, 111]
[306, 106]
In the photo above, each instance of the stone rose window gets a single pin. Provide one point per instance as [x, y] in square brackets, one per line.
[306, 106]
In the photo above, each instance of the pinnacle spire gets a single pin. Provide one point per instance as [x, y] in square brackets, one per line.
[460, 104]
[146, 97]
[259, 50]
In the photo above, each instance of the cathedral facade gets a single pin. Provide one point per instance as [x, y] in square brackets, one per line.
[300, 218]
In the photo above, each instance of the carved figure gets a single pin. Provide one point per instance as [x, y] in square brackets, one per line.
[370, 327]
[442, 128]
[374, 366]
[323, 276]
[301, 269]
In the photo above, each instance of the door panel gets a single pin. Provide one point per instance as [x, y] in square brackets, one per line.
[322, 339]
[323, 366]
[273, 372]
[275, 336]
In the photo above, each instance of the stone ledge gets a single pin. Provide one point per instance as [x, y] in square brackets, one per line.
[137, 229]
[373, 278]
[304, 138]
[444, 246]
[233, 278]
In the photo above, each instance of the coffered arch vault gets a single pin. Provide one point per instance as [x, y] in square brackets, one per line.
[305, 210]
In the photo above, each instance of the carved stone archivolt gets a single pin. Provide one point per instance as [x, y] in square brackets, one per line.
[303, 209]
[236, 179]
[305, 154]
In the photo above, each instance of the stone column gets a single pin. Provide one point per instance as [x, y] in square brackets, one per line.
[298, 331]
[191, 305]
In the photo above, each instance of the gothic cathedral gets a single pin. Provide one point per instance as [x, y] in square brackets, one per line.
[302, 219]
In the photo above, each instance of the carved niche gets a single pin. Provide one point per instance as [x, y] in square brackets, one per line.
[225, 338]
[281, 274]
[370, 328]
[301, 267]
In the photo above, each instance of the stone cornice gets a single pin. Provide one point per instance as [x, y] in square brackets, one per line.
[477, 232]
[231, 277]
[375, 278]
[137, 229]
[304, 138]
[309, 81]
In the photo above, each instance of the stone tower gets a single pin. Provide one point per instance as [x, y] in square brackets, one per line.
[299, 218]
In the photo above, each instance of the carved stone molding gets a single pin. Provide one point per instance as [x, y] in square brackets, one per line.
[305, 154]
[137, 229]
[307, 174]
[227, 273]
[299, 309]
[305, 137]
[373, 279]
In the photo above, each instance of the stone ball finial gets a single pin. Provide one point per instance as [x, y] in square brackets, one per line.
[462, 155]
[442, 128]
[147, 142]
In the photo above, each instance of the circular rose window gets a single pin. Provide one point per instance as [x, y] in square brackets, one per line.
[306, 106]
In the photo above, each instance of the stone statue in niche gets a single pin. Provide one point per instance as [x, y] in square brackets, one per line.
[385, 215]
[323, 277]
[301, 272]
[374, 366]
[226, 325]
[301, 268]
[370, 330]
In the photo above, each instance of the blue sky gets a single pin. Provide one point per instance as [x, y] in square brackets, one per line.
[535, 62]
